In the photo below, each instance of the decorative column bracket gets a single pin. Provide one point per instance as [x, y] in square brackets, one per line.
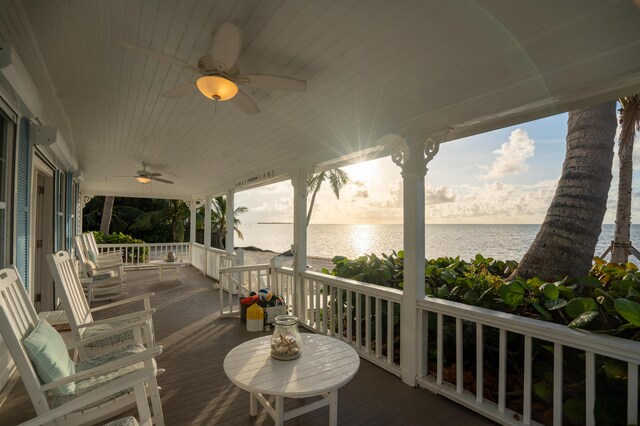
[405, 158]
[84, 200]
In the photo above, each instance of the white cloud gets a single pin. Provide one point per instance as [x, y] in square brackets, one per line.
[512, 156]
[496, 202]
[439, 195]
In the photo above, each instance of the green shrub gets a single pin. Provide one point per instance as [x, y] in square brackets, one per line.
[132, 256]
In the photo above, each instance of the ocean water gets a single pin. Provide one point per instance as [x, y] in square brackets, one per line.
[497, 241]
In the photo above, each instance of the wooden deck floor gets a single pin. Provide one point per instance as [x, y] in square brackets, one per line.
[195, 390]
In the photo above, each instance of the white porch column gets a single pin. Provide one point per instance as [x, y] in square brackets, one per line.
[192, 226]
[229, 244]
[413, 159]
[299, 182]
[207, 231]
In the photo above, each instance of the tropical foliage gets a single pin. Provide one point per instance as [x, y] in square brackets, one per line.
[605, 301]
[219, 221]
[608, 299]
[153, 220]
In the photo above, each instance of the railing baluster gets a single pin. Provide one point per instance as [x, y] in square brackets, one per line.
[379, 326]
[528, 355]
[358, 320]
[325, 310]
[590, 387]
[557, 384]
[349, 318]
[632, 394]
[459, 355]
[423, 342]
[340, 313]
[502, 371]
[367, 324]
[390, 335]
[440, 346]
[479, 362]
[334, 314]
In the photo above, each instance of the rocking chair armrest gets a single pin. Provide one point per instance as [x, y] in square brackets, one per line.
[116, 268]
[119, 318]
[123, 302]
[132, 379]
[109, 263]
[105, 368]
[115, 330]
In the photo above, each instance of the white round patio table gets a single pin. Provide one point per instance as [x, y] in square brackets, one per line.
[324, 365]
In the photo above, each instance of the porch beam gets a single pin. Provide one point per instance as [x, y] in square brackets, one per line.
[299, 181]
[229, 241]
[412, 157]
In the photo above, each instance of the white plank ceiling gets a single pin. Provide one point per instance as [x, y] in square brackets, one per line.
[375, 69]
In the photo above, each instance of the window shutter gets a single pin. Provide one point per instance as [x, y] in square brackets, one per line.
[56, 211]
[70, 210]
[23, 177]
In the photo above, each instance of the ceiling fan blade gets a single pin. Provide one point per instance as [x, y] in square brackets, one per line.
[160, 180]
[176, 92]
[244, 103]
[147, 173]
[226, 43]
[159, 56]
[273, 82]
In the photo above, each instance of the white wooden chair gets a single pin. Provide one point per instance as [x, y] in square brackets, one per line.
[100, 387]
[102, 335]
[90, 245]
[104, 281]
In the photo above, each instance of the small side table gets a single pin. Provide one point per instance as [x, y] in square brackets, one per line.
[325, 364]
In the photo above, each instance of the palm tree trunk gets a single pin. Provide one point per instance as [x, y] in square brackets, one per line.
[313, 200]
[621, 239]
[568, 236]
[107, 211]
[630, 121]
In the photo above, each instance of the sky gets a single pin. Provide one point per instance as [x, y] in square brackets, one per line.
[506, 176]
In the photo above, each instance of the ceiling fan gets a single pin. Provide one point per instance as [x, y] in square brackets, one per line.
[219, 74]
[145, 176]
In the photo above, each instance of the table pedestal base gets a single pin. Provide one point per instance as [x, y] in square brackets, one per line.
[278, 415]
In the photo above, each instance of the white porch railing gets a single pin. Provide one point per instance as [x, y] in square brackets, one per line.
[138, 255]
[364, 315]
[241, 280]
[209, 261]
[198, 256]
[445, 322]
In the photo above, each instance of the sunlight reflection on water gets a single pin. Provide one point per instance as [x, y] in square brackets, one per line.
[497, 241]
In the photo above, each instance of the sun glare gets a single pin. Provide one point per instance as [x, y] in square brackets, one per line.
[362, 172]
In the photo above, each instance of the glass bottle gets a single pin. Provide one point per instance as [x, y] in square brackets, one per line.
[286, 343]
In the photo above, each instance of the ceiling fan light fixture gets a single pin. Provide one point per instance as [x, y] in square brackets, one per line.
[143, 179]
[217, 88]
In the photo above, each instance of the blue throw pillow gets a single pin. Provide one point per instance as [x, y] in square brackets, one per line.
[49, 355]
[92, 256]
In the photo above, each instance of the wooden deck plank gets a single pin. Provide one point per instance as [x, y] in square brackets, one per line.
[195, 390]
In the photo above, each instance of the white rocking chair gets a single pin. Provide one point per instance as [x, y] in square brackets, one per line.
[90, 245]
[105, 280]
[100, 388]
[101, 335]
